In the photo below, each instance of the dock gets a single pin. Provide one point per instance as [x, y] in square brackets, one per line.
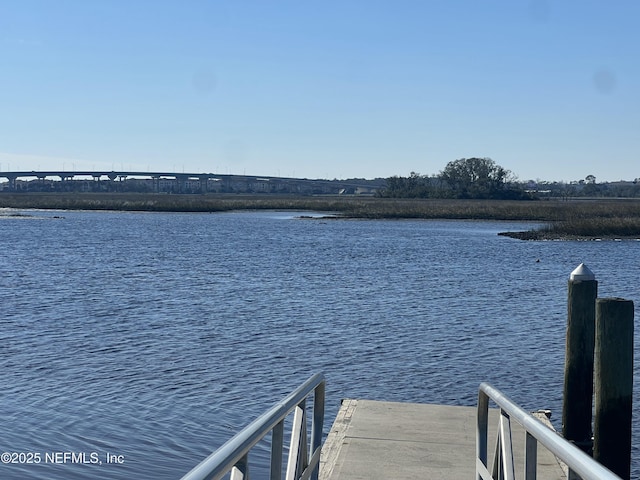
[372, 440]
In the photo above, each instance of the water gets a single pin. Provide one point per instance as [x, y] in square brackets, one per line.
[156, 336]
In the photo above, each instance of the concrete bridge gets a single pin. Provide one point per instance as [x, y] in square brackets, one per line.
[97, 175]
[201, 182]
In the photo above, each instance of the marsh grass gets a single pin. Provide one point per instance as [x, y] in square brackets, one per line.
[345, 206]
[593, 219]
[596, 218]
[603, 227]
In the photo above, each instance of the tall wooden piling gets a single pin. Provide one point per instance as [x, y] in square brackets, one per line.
[578, 370]
[613, 384]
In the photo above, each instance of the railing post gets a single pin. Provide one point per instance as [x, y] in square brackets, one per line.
[277, 444]
[298, 442]
[240, 471]
[504, 449]
[613, 384]
[578, 369]
[317, 426]
[530, 457]
[482, 429]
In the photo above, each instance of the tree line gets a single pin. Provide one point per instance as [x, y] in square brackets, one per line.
[482, 178]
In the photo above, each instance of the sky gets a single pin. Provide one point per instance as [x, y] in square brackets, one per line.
[549, 89]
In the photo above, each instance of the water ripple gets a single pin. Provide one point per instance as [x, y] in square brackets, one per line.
[158, 336]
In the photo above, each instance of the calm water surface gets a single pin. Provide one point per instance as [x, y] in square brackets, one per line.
[157, 336]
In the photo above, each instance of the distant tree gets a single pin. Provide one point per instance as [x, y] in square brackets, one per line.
[477, 178]
[463, 178]
[413, 186]
[590, 179]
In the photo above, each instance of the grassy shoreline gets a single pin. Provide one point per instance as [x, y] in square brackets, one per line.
[577, 218]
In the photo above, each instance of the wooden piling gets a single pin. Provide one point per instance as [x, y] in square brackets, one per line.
[578, 370]
[613, 384]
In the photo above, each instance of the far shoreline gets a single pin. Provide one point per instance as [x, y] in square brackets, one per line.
[542, 236]
[572, 219]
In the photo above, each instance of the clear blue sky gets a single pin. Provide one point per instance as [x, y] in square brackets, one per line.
[549, 89]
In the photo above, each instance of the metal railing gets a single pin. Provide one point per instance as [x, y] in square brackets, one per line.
[302, 463]
[579, 463]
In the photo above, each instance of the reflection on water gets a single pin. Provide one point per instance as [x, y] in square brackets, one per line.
[158, 336]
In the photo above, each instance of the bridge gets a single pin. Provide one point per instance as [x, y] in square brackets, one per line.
[197, 182]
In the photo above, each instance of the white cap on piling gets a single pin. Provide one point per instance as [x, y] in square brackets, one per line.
[582, 273]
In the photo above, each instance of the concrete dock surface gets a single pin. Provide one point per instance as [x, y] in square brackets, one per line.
[372, 440]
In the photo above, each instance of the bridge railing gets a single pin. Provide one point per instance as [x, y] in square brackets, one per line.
[579, 463]
[303, 462]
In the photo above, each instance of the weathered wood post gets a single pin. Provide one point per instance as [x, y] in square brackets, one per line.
[613, 384]
[578, 368]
